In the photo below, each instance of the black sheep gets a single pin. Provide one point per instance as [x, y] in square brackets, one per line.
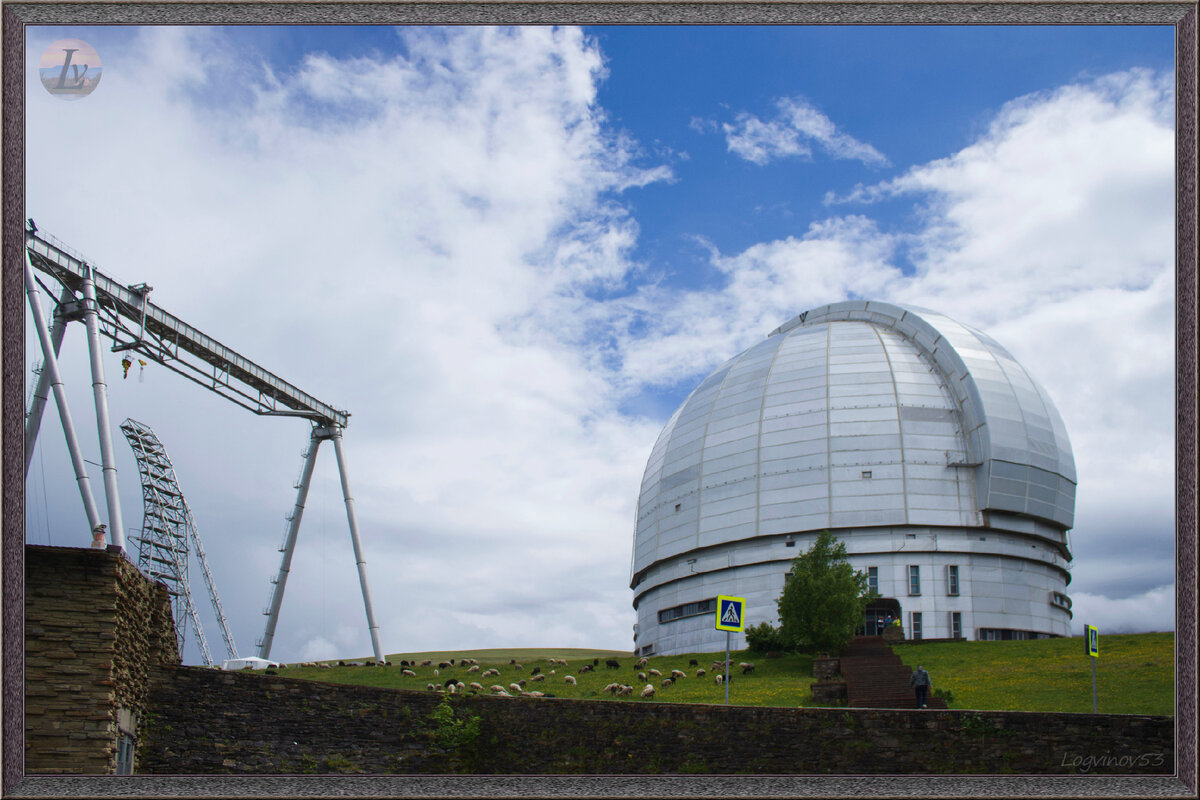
[535, 670]
[612, 664]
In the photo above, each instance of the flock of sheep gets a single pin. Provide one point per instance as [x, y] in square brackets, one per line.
[522, 687]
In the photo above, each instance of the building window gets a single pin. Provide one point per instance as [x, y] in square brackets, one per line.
[648, 650]
[956, 624]
[914, 579]
[914, 626]
[688, 610]
[952, 580]
[873, 579]
[1008, 634]
[124, 754]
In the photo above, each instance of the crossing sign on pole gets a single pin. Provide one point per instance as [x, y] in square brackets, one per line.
[1092, 640]
[731, 613]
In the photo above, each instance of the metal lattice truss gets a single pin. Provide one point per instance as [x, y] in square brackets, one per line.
[167, 531]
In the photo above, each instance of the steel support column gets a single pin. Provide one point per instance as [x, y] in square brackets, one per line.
[34, 421]
[50, 369]
[372, 626]
[100, 392]
[289, 546]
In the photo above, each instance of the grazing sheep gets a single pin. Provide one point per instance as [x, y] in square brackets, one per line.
[496, 689]
[430, 686]
[595, 662]
[473, 668]
[435, 673]
[700, 673]
[408, 673]
[716, 666]
[666, 682]
[324, 666]
[537, 694]
[655, 673]
[648, 691]
[612, 664]
[747, 667]
[641, 662]
[624, 690]
[569, 680]
[693, 663]
[516, 688]
[641, 676]
[538, 678]
[613, 688]
[517, 666]
[552, 671]
[720, 679]
[501, 693]
[522, 683]
[444, 665]
[427, 662]
[586, 668]
[489, 672]
[535, 670]
[452, 688]
[476, 686]
[678, 673]
[450, 682]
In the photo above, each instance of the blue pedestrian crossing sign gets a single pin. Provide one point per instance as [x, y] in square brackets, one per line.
[731, 613]
[1092, 640]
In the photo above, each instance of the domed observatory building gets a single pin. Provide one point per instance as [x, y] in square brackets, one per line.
[918, 441]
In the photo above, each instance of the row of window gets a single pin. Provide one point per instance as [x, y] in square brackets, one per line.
[914, 579]
[688, 610]
[916, 623]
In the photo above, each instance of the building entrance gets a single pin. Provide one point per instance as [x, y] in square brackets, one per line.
[879, 614]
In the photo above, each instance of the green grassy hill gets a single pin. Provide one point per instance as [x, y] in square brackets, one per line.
[1135, 674]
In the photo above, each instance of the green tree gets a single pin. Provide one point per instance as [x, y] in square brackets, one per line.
[823, 598]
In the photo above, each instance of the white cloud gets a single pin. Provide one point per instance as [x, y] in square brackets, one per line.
[1152, 610]
[789, 133]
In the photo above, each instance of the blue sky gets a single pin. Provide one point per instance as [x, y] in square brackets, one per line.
[511, 253]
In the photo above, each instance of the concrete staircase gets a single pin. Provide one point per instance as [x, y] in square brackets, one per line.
[875, 677]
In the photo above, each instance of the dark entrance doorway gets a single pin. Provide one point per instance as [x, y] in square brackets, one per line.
[879, 614]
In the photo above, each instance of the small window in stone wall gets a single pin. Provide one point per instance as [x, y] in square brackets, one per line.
[125, 747]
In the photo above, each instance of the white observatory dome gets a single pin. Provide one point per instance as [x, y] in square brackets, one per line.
[920, 442]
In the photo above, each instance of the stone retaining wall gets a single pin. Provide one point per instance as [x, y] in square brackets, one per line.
[206, 722]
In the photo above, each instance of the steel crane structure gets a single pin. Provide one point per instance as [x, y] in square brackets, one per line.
[169, 536]
[134, 324]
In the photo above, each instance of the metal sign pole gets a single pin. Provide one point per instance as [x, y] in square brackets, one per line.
[1094, 706]
[727, 635]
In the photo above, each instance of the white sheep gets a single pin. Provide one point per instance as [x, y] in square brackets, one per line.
[613, 688]
[538, 678]
[427, 662]
[720, 679]
[408, 673]
[497, 689]
[666, 682]
[678, 673]
[452, 688]
[625, 690]
[746, 667]
[516, 688]
[569, 680]
[655, 673]
[641, 662]
[435, 672]
[430, 686]
[473, 668]
[641, 676]
[648, 691]
[700, 673]
[476, 686]
[501, 693]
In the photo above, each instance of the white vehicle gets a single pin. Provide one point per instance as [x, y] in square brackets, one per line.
[250, 662]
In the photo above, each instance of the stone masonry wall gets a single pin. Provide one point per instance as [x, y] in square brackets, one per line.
[209, 722]
[94, 627]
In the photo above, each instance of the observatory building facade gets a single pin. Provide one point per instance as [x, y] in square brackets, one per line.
[918, 441]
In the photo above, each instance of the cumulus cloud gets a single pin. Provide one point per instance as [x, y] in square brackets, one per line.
[791, 133]
[1152, 610]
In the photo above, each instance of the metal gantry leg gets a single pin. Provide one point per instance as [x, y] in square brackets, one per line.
[100, 391]
[289, 546]
[372, 626]
[50, 369]
[33, 422]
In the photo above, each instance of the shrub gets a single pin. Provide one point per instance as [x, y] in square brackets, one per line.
[763, 638]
